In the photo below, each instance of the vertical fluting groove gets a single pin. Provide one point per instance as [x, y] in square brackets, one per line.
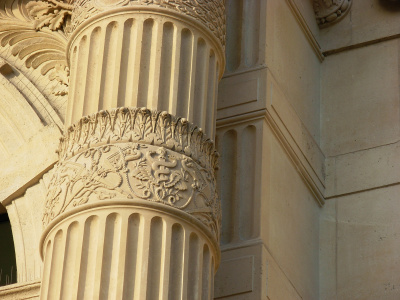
[76, 264]
[143, 259]
[127, 66]
[95, 45]
[136, 50]
[192, 80]
[88, 258]
[155, 65]
[204, 96]
[193, 272]
[145, 61]
[247, 177]
[71, 249]
[176, 262]
[96, 71]
[205, 286]
[154, 267]
[99, 257]
[110, 260]
[80, 83]
[200, 270]
[212, 271]
[185, 72]
[175, 67]
[251, 30]
[211, 100]
[56, 265]
[74, 71]
[228, 184]
[46, 271]
[131, 256]
[165, 261]
[111, 64]
[166, 68]
[185, 267]
[234, 20]
[200, 84]
[122, 258]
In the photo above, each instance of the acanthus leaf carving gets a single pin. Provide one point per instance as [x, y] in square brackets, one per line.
[211, 13]
[33, 30]
[50, 13]
[139, 125]
[134, 171]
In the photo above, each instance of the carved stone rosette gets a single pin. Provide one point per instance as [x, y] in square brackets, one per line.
[328, 12]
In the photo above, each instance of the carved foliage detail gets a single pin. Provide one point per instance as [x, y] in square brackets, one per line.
[330, 11]
[50, 13]
[134, 171]
[139, 125]
[33, 32]
[209, 12]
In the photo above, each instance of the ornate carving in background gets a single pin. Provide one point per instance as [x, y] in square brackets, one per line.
[34, 32]
[209, 12]
[330, 11]
[134, 171]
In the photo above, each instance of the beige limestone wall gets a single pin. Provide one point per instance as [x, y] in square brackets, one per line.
[360, 136]
[360, 246]
[293, 64]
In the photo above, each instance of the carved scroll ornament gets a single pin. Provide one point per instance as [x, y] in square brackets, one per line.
[34, 32]
[136, 154]
[330, 11]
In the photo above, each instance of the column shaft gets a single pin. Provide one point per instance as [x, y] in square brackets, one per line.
[156, 255]
[145, 59]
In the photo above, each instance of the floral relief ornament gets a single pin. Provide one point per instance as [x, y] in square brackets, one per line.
[134, 171]
[136, 153]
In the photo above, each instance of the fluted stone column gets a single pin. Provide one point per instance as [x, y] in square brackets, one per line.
[132, 210]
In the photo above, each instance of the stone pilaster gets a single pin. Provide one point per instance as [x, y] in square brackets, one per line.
[132, 210]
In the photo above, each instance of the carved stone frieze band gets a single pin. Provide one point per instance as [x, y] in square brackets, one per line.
[134, 171]
[136, 153]
[330, 11]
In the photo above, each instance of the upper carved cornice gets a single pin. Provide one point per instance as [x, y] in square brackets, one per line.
[211, 13]
[328, 12]
[136, 154]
